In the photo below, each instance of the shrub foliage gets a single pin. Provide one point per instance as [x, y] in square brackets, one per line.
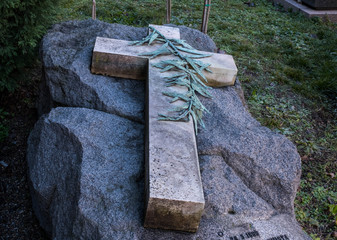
[22, 24]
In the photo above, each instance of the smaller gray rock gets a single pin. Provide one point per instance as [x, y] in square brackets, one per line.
[86, 170]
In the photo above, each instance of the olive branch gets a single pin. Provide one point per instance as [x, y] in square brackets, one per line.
[190, 75]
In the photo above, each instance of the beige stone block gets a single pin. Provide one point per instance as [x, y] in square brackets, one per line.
[223, 69]
[168, 32]
[118, 58]
[173, 214]
[174, 189]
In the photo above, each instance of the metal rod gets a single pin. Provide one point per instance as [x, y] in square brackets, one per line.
[207, 15]
[203, 17]
[168, 11]
[94, 9]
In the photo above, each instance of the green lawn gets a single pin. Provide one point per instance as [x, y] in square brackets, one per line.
[288, 68]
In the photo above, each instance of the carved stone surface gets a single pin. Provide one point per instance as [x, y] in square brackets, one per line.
[174, 191]
[168, 32]
[308, 11]
[86, 166]
[117, 58]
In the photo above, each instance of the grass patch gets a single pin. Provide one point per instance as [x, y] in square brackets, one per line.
[287, 64]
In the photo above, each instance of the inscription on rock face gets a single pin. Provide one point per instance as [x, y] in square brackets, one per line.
[246, 235]
[251, 235]
[281, 237]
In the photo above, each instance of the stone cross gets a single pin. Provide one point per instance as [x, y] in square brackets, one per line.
[174, 194]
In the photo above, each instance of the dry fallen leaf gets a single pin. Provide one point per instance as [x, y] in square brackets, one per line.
[331, 175]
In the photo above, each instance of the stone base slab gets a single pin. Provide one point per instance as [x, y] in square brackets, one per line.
[321, 4]
[307, 11]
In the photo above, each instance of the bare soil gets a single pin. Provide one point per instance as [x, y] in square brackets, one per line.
[17, 220]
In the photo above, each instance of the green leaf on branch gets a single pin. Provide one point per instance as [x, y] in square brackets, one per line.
[194, 51]
[190, 76]
[153, 37]
[182, 43]
[161, 51]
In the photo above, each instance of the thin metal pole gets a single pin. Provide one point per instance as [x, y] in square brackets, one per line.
[94, 9]
[168, 11]
[205, 16]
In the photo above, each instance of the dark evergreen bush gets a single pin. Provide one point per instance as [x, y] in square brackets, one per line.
[22, 24]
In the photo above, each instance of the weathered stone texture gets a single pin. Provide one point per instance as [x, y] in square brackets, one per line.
[66, 55]
[86, 170]
[117, 58]
[86, 167]
[174, 188]
[267, 162]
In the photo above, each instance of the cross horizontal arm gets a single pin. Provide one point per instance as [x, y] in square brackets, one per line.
[118, 58]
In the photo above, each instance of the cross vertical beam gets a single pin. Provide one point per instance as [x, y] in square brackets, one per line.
[174, 189]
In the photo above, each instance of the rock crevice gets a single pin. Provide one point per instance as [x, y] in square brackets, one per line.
[56, 191]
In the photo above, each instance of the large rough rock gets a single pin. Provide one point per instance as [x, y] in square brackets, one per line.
[87, 177]
[86, 159]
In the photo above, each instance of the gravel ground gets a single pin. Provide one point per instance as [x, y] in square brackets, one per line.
[17, 220]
